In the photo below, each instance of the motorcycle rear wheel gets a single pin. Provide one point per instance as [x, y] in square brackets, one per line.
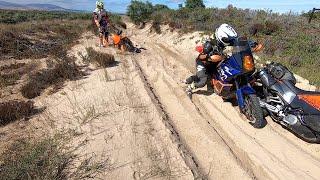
[253, 111]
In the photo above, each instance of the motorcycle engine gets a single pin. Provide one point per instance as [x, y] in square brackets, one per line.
[290, 119]
[276, 107]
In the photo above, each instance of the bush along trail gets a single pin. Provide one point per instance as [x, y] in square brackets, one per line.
[288, 38]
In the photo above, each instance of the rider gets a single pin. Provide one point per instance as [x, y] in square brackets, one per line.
[211, 53]
[102, 21]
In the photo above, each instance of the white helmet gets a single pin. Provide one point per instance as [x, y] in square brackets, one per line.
[99, 4]
[225, 33]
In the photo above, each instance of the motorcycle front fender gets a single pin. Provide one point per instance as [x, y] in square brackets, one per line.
[242, 92]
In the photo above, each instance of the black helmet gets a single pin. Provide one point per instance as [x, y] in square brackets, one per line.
[207, 47]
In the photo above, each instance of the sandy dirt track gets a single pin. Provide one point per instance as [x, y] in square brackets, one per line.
[268, 153]
[137, 117]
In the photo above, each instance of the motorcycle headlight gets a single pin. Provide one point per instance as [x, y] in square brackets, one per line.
[248, 64]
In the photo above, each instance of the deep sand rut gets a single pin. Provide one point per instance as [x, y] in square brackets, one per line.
[268, 153]
[112, 112]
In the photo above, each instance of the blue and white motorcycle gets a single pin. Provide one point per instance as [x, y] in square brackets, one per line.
[232, 80]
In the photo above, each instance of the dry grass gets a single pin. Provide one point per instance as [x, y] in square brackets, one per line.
[62, 69]
[9, 74]
[98, 58]
[156, 27]
[14, 110]
[39, 39]
[48, 158]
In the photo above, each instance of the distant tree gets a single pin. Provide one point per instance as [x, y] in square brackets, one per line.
[230, 6]
[159, 7]
[191, 4]
[139, 11]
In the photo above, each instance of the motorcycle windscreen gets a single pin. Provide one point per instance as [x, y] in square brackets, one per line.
[240, 49]
[233, 66]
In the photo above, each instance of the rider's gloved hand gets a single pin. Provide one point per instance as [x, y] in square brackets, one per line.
[191, 87]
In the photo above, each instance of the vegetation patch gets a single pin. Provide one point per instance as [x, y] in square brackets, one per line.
[156, 27]
[98, 58]
[48, 158]
[59, 71]
[39, 39]
[117, 20]
[18, 16]
[287, 38]
[9, 74]
[14, 110]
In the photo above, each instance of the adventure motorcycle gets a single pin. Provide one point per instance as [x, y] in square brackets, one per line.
[232, 80]
[288, 105]
[124, 43]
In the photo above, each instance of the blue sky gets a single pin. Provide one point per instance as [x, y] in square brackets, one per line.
[281, 6]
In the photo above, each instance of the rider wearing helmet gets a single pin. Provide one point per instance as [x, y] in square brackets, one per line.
[211, 53]
[225, 35]
[101, 20]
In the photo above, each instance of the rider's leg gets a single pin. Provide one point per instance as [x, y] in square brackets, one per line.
[191, 79]
[105, 37]
[210, 85]
[202, 77]
[100, 39]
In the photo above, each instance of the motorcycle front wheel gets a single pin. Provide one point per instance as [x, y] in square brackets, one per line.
[253, 111]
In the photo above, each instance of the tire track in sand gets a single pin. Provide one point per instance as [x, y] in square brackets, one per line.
[210, 152]
[266, 153]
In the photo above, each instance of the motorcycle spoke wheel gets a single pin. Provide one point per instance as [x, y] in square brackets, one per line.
[253, 111]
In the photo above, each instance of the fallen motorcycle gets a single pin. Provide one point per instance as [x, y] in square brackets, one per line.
[124, 43]
[232, 81]
[294, 108]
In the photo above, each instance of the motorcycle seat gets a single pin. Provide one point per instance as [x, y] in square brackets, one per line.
[299, 91]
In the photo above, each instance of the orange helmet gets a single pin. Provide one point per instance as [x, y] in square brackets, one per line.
[116, 39]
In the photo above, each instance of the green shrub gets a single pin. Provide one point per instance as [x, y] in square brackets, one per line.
[192, 4]
[271, 27]
[287, 38]
[159, 7]
[139, 11]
